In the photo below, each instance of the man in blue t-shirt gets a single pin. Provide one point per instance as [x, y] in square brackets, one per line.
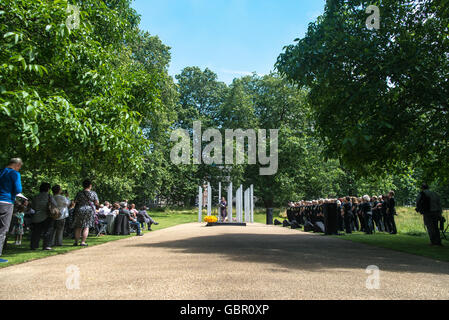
[10, 187]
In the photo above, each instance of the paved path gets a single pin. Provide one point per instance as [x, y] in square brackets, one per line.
[257, 262]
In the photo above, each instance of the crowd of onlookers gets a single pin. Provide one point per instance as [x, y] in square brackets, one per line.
[50, 216]
[76, 217]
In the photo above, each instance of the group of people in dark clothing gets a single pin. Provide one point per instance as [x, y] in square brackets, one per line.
[349, 214]
[366, 214]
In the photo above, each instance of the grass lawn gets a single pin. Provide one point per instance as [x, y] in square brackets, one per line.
[19, 254]
[417, 245]
[411, 238]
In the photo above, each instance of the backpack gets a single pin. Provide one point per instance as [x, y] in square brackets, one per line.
[424, 204]
[53, 211]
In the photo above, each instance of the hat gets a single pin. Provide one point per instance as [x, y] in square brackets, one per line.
[21, 196]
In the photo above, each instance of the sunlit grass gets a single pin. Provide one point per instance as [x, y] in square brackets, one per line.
[411, 238]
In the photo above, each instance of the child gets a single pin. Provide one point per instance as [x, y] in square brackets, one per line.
[18, 223]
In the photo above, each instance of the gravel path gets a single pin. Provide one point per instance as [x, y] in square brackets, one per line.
[254, 262]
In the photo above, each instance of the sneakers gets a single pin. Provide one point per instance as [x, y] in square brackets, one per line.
[3, 261]
[156, 223]
[47, 249]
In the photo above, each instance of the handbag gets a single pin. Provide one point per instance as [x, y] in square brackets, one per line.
[53, 211]
[91, 204]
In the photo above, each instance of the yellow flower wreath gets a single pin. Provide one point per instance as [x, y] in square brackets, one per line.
[210, 219]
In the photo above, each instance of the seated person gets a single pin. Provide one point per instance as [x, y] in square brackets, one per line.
[143, 217]
[101, 217]
[115, 209]
[133, 221]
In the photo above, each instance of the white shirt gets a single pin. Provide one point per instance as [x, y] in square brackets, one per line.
[105, 211]
[62, 204]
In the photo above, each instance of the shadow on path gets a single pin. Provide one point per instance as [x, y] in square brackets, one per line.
[301, 251]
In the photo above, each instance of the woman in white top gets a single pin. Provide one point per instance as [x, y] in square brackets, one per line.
[62, 203]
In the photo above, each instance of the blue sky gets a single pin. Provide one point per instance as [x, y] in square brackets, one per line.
[231, 37]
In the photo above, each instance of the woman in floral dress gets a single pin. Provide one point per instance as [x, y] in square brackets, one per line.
[84, 215]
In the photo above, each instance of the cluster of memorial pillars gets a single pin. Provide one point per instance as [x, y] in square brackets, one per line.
[244, 203]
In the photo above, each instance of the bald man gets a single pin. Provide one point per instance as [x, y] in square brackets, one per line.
[10, 187]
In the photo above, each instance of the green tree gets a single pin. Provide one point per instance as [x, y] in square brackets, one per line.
[380, 97]
[93, 101]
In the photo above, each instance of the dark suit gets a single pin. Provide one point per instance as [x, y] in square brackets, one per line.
[143, 217]
[347, 207]
[428, 204]
[391, 207]
[366, 209]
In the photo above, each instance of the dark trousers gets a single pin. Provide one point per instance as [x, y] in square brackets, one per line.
[385, 221]
[368, 223]
[137, 225]
[355, 223]
[340, 222]
[362, 222]
[431, 222]
[223, 213]
[377, 217]
[5, 221]
[57, 235]
[149, 224]
[42, 230]
[391, 224]
[347, 220]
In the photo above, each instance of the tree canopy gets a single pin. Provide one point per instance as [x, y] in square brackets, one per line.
[88, 100]
[379, 97]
